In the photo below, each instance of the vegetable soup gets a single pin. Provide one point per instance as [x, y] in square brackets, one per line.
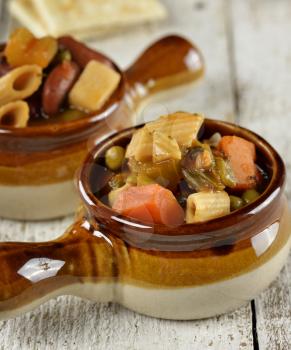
[171, 173]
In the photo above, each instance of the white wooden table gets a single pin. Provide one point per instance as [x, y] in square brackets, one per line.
[247, 48]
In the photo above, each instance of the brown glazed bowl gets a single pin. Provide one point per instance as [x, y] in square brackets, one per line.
[38, 163]
[187, 272]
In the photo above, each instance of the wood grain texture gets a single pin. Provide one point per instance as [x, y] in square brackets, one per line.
[263, 64]
[205, 23]
[247, 54]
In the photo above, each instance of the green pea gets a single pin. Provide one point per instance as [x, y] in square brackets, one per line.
[250, 196]
[64, 55]
[236, 203]
[114, 157]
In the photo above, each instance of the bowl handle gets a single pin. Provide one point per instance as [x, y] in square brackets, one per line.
[169, 62]
[32, 273]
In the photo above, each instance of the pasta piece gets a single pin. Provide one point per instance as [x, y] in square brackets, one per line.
[181, 126]
[94, 86]
[141, 146]
[14, 114]
[20, 83]
[204, 206]
[164, 147]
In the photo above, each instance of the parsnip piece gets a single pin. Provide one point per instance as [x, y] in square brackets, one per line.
[113, 195]
[20, 83]
[14, 114]
[140, 146]
[94, 86]
[181, 126]
[165, 147]
[204, 206]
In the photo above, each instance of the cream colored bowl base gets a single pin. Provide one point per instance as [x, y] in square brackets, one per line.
[176, 303]
[38, 202]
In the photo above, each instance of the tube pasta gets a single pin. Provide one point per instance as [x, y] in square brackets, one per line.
[181, 126]
[20, 83]
[203, 206]
[15, 114]
[94, 87]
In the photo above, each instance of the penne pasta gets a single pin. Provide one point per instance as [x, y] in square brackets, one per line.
[20, 83]
[203, 206]
[181, 126]
[14, 114]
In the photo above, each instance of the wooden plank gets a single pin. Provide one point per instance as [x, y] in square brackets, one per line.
[68, 322]
[212, 96]
[263, 63]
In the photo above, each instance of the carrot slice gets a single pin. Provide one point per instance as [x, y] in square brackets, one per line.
[150, 203]
[242, 155]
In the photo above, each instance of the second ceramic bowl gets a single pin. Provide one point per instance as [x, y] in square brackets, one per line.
[38, 163]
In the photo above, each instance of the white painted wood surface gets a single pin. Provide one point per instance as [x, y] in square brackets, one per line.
[263, 77]
[245, 43]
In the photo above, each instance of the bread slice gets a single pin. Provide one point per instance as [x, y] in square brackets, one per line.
[25, 13]
[84, 18]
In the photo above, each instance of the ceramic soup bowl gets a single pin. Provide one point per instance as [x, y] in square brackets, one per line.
[38, 163]
[188, 272]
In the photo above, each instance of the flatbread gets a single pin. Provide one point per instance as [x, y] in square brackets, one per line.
[84, 18]
[25, 13]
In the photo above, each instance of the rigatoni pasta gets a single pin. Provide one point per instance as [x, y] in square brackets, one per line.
[20, 83]
[14, 114]
[204, 206]
[181, 126]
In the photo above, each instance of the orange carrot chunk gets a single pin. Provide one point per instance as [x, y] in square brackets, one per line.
[242, 155]
[150, 203]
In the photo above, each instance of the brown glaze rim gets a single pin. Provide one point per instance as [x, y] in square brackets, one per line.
[55, 135]
[64, 127]
[241, 224]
